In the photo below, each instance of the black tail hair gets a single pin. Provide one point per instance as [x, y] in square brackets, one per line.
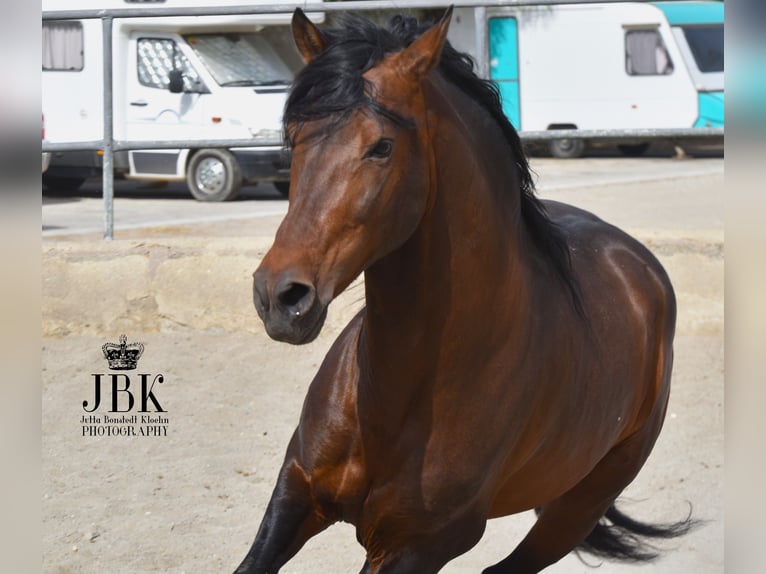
[619, 537]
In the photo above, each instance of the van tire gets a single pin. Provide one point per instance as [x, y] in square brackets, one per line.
[214, 175]
[567, 148]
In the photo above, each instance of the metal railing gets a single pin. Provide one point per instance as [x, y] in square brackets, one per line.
[108, 145]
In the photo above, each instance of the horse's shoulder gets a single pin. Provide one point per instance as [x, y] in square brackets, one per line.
[339, 371]
[327, 442]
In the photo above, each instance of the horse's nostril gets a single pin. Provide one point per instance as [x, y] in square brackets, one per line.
[293, 294]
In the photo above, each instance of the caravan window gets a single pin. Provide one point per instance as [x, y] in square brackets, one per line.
[706, 44]
[157, 57]
[240, 59]
[62, 45]
[645, 53]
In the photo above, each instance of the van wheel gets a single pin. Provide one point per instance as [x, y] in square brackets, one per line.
[567, 148]
[214, 175]
[283, 187]
[633, 150]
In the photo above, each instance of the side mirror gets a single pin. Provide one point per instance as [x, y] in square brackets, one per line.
[175, 81]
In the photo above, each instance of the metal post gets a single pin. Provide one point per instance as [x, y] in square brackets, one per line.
[108, 148]
[482, 42]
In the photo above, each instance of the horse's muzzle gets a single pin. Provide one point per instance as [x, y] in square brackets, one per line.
[289, 307]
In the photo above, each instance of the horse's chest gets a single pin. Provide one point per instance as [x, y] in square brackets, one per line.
[428, 482]
[339, 490]
[410, 504]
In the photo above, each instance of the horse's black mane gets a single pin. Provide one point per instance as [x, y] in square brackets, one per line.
[331, 86]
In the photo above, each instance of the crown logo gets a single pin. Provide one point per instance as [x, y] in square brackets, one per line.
[123, 357]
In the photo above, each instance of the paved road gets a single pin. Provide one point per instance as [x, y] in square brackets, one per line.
[672, 193]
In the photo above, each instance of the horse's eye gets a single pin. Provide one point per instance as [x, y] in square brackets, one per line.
[382, 149]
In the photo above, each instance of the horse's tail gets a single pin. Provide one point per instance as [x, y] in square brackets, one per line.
[619, 537]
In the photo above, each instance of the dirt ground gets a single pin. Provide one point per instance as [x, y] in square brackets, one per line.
[191, 499]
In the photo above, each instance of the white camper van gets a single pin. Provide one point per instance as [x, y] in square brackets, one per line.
[602, 66]
[174, 78]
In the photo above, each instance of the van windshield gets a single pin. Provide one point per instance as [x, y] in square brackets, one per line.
[706, 45]
[240, 59]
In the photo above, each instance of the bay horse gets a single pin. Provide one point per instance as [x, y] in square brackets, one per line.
[512, 353]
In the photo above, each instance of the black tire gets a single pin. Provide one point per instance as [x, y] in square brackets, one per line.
[283, 187]
[568, 148]
[214, 175]
[633, 150]
[57, 183]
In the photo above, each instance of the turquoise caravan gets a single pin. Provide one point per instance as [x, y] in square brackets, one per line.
[624, 65]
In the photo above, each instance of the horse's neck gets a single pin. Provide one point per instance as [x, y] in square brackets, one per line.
[464, 255]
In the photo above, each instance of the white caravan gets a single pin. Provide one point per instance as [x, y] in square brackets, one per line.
[601, 66]
[174, 78]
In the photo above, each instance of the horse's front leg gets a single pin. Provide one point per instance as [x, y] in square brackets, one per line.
[290, 520]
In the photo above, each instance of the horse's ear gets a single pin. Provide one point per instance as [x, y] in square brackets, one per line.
[424, 53]
[309, 39]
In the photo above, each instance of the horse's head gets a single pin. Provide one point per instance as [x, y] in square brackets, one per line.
[362, 173]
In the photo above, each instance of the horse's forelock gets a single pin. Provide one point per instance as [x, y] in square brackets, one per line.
[333, 84]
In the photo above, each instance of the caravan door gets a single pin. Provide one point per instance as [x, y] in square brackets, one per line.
[504, 64]
[164, 101]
